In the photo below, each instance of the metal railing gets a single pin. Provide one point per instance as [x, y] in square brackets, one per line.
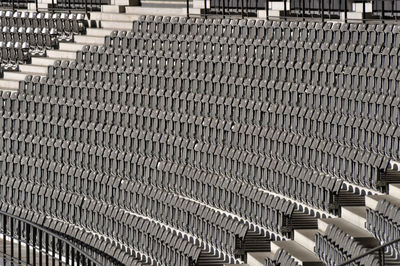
[81, 5]
[57, 5]
[15, 4]
[305, 9]
[26, 243]
[244, 8]
[380, 250]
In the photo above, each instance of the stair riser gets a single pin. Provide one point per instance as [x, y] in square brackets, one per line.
[156, 11]
[62, 55]
[33, 69]
[9, 85]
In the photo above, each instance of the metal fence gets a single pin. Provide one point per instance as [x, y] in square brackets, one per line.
[57, 5]
[15, 4]
[305, 9]
[26, 243]
[244, 8]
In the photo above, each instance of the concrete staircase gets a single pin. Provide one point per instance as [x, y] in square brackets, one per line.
[39, 65]
[117, 16]
[352, 221]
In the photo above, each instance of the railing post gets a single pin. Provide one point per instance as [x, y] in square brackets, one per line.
[364, 11]
[12, 236]
[285, 9]
[47, 249]
[205, 8]
[383, 10]
[28, 239]
[267, 9]
[242, 6]
[40, 247]
[304, 9]
[380, 258]
[223, 8]
[4, 239]
[345, 11]
[19, 233]
[323, 10]
[187, 8]
[34, 245]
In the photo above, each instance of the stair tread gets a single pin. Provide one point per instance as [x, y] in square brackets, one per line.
[347, 227]
[258, 258]
[309, 233]
[371, 201]
[394, 190]
[296, 250]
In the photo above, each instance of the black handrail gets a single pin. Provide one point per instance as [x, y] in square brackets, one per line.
[372, 251]
[32, 236]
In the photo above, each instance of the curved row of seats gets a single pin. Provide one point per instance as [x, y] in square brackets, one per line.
[336, 247]
[308, 31]
[383, 222]
[121, 131]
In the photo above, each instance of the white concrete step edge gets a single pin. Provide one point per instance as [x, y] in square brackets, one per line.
[306, 238]
[9, 85]
[394, 190]
[33, 69]
[113, 17]
[19, 76]
[70, 47]
[371, 201]
[116, 25]
[355, 215]
[44, 61]
[61, 54]
[299, 253]
[170, 11]
[359, 234]
[85, 39]
[258, 258]
[98, 32]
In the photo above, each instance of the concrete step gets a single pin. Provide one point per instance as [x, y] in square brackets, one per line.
[9, 85]
[18, 76]
[355, 215]
[63, 55]
[112, 9]
[116, 25]
[306, 238]
[33, 69]
[371, 201]
[44, 61]
[98, 32]
[113, 17]
[156, 11]
[125, 2]
[302, 255]
[258, 258]
[394, 190]
[71, 47]
[358, 234]
[86, 39]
